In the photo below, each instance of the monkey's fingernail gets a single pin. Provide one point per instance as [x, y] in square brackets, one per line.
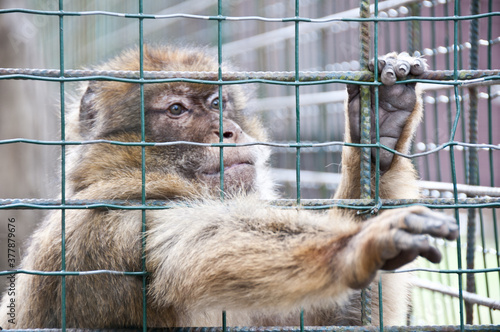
[403, 69]
[388, 77]
[417, 67]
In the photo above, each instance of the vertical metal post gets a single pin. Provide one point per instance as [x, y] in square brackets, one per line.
[434, 95]
[365, 161]
[143, 168]
[377, 169]
[63, 169]
[380, 304]
[453, 164]
[297, 102]
[490, 135]
[473, 160]
[221, 120]
[297, 123]
[221, 106]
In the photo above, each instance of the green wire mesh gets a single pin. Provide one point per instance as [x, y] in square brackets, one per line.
[425, 161]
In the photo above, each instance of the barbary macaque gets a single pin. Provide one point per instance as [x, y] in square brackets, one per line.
[259, 263]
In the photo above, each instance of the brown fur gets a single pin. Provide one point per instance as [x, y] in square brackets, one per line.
[260, 263]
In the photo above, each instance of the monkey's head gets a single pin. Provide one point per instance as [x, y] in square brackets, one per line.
[179, 112]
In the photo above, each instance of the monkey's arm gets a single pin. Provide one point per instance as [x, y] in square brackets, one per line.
[400, 112]
[241, 255]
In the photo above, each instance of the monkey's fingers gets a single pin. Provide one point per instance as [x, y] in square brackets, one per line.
[380, 64]
[410, 236]
[400, 68]
[409, 247]
[394, 239]
[393, 67]
[418, 66]
[425, 221]
[388, 69]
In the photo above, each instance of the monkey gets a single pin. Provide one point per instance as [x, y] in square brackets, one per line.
[259, 263]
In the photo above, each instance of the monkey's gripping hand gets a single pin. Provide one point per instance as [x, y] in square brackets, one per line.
[397, 102]
[396, 238]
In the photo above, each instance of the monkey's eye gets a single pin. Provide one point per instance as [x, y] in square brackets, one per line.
[215, 103]
[176, 109]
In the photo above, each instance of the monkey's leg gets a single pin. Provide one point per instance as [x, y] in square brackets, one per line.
[400, 112]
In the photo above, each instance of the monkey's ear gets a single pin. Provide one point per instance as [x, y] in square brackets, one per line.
[88, 110]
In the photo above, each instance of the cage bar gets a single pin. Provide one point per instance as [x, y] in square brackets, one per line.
[433, 76]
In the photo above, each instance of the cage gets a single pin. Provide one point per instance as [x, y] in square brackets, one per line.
[296, 56]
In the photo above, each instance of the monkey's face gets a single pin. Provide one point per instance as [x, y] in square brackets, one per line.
[178, 112]
[191, 113]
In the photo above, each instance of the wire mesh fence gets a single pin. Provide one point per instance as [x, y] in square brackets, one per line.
[300, 55]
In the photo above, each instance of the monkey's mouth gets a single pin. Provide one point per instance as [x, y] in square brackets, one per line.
[238, 177]
[232, 168]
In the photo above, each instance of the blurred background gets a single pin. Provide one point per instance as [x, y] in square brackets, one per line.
[30, 109]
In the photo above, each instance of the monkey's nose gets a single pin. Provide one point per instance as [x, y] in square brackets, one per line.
[230, 131]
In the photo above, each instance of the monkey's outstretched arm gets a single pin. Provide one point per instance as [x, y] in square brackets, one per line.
[400, 112]
[241, 255]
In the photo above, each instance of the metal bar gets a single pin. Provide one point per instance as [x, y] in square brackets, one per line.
[221, 123]
[490, 138]
[453, 167]
[297, 101]
[376, 107]
[143, 168]
[381, 304]
[437, 159]
[114, 272]
[63, 168]
[428, 328]
[365, 125]
[273, 144]
[485, 262]
[278, 35]
[349, 15]
[279, 76]
[438, 203]
[463, 119]
[469, 190]
[473, 176]
[469, 298]
[333, 179]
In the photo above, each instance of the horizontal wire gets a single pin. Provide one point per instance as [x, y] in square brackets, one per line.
[450, 291]
[270, 144]
[358, 204]
[72, 273]
[445, 271]
[315, 179]
[247, 18]
[236, 77]
[135, 273]
[420, 328]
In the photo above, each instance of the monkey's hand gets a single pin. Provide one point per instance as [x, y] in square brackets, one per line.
[394, 239]
[396, 103]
